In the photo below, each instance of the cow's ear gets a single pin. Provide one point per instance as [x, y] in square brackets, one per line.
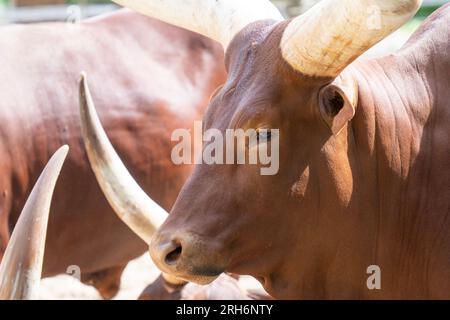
[338, 103]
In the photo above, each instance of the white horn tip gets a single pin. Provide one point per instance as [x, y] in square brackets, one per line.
[83, 76]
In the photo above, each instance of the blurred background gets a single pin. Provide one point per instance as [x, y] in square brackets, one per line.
[27, 11]
[30, 11]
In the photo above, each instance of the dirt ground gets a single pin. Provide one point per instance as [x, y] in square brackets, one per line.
[138, 274]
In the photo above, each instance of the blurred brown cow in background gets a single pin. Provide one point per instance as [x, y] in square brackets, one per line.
[152, 77]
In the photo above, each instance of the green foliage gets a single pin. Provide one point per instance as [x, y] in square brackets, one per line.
[425, 11]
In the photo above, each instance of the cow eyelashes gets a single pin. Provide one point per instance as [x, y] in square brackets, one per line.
[263, 135]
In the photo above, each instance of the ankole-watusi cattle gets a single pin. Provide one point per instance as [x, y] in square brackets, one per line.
[364, 174]
[154, 78]
[21, 266]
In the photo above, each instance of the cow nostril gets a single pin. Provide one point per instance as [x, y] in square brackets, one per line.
[173, 256]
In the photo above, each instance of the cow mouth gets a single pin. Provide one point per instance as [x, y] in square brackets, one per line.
[200, 279]
[199, 275]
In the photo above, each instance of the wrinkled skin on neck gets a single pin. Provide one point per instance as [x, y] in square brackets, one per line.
[374, 194]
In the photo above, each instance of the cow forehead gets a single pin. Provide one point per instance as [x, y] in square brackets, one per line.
[256, 47]
[259, 80]
[254, 60]
[246, 99]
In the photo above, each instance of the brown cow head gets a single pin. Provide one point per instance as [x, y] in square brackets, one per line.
[230, 217]
[285, 75]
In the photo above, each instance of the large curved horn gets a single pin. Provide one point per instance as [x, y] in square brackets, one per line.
[220, 20]
[326, 39]
[21, 267]
[129, 201]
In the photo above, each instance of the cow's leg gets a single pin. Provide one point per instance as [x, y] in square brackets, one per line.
[162, 290]
[107, 281]
[4, 238]
[5, 207]
[226, 287]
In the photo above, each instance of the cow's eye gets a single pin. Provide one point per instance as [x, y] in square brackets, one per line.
[264, 135]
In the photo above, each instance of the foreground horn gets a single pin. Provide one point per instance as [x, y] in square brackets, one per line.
[21, 267]
[327, 38]
[129, 201]
[220, 20]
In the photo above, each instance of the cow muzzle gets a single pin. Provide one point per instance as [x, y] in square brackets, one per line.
[186, 256]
